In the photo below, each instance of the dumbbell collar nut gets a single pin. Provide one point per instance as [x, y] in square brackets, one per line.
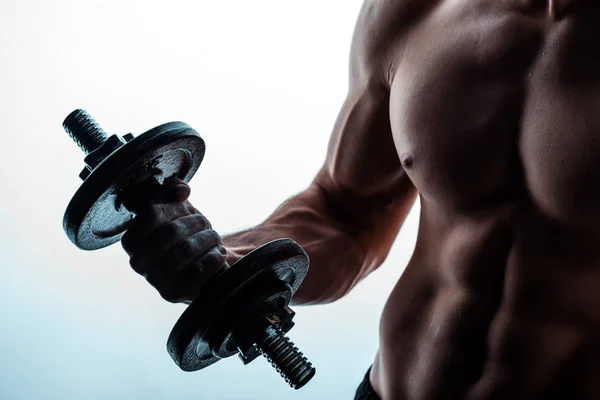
[93, 159]
[248, 350]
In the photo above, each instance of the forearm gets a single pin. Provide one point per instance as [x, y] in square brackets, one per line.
[337, 256]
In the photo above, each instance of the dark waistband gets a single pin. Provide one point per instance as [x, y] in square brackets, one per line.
[365, 390]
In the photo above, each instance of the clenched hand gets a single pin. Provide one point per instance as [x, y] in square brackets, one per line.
[173, 245]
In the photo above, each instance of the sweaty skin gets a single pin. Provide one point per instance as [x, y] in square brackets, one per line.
[489, 112]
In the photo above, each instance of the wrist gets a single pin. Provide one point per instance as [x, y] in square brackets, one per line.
[235, 250]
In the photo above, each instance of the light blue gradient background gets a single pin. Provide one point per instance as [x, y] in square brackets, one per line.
[262, 81]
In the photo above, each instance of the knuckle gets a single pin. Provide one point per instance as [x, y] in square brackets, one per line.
[171, 228]
[166, 212]
[156, 218]
[155, 281]
[148, 214]
[200, 242]
[164, 287]
[200, 221]
[181, 227]
[187, 245]
[140, 265]
[213, 237]
[170, 295]
[213, 258]
[191, 209]
[179, 209]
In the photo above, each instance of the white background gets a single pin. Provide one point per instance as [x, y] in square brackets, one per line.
[262, 81]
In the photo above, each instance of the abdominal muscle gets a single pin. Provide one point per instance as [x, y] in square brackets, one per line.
[498, 304]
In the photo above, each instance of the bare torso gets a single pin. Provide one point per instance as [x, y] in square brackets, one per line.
[490, 110]
[495, 113]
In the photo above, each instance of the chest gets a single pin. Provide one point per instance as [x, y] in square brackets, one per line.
[488, 103]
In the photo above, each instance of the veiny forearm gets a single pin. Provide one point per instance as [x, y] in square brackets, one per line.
[337, 257]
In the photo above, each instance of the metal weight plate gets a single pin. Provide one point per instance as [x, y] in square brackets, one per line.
[188, 343]
[94, 217]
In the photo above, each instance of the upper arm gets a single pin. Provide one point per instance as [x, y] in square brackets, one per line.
[362, 177]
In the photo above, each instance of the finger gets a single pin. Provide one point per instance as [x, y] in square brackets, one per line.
[163, 240]
[148, 220]
[187, 284]
[199, 249]
[184, 252]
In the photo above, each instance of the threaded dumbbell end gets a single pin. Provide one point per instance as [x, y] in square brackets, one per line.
[286, 358]
[84, 131]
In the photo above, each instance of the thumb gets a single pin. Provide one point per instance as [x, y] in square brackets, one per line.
[175, 190]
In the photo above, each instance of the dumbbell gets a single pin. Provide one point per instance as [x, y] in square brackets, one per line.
[243, 310]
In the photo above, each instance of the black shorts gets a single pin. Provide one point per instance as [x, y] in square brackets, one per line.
[365, 390]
